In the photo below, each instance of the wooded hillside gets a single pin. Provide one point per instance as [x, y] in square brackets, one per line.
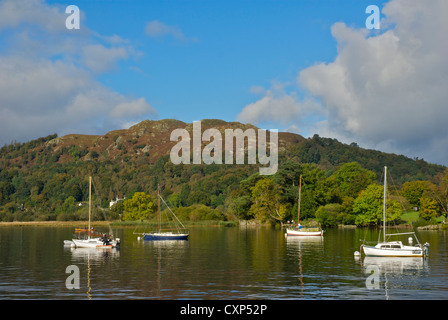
[46, 178]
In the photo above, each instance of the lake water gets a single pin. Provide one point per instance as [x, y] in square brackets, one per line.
[217, 263]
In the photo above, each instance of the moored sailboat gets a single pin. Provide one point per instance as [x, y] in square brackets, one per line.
[300, 230]
[94, 240]
[394, 248]
[179, 232]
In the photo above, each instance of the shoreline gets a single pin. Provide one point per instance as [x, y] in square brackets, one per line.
[118, 223]
[53, 223]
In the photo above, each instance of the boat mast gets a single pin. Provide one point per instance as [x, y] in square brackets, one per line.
[158, 204]
[90, 203]
[384, 204]
[298, 206]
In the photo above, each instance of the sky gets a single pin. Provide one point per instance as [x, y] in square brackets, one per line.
[303, 66]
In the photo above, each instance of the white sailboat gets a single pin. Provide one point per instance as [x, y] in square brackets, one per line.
[300, 230]
[394, 248]
[95, 241]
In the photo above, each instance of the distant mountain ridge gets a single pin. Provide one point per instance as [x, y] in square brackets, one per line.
[149, 140]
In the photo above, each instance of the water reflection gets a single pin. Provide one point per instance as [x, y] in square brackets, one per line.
[217, 263]
[303, 239]
[89, 254]
[398, 265]
[91, 257]
[304, 250]
[395, 275]
[166, 243]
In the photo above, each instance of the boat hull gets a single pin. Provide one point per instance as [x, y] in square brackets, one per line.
[405, 251]
[93, 243]
[165, 236]
[303, 233]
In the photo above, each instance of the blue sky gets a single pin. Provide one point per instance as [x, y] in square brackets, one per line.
[227, 47]
[304, 66]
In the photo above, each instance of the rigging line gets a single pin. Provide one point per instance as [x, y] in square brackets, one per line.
[169, 220]
[397, 192]
[172, 212]
[383, 177]
[101, 206]
[398, 196]
[440, 202]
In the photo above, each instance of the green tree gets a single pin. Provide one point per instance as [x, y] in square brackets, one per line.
[140, 206]
[351, 179]
[76, 192]
[239, 206]
[69, 204]
[174, 200]
[368, 207]
[328, 215]
[429, 208]
[346, 215]
[413, 191]
[75, 152]
[442, 192]
[266, 201]
[94, 154]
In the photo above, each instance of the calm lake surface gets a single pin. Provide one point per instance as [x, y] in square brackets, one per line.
[218, 263]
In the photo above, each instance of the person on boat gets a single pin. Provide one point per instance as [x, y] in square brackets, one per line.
[105, 240]
[299, 226]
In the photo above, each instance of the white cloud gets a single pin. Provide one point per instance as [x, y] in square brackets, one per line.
[14, 13]
[99, 58]
[389, 90]
[385, 90]
[157, 29]
[278, 106]
[132, 108]
[47, 76]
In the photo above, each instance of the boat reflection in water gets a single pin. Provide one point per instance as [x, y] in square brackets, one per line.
[91, 257]
[304, 250]
[394, 273]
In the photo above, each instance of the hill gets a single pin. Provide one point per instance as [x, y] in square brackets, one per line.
[37, 177]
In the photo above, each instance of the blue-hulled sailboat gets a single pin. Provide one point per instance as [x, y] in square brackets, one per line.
[177, 232]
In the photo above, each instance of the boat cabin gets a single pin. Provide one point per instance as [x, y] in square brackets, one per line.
[391, 245]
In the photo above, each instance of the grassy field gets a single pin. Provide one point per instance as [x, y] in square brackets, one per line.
[410, 216]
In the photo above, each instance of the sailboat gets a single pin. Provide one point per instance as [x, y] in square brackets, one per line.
[95, 240]
[179, 232]
[394, 248]
[299, 230]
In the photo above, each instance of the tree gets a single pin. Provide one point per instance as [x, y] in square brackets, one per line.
[413, 191]
[240, 207]
[346, 212]
[94, 154]
[442, 192]
[75, 152]
[69, 204]
[174, 200]
[368, 207]
[351, 179]
[266, 201]
[429, 208]
[76, 192]
[140, 206]
[328, 215]
[199, 197]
